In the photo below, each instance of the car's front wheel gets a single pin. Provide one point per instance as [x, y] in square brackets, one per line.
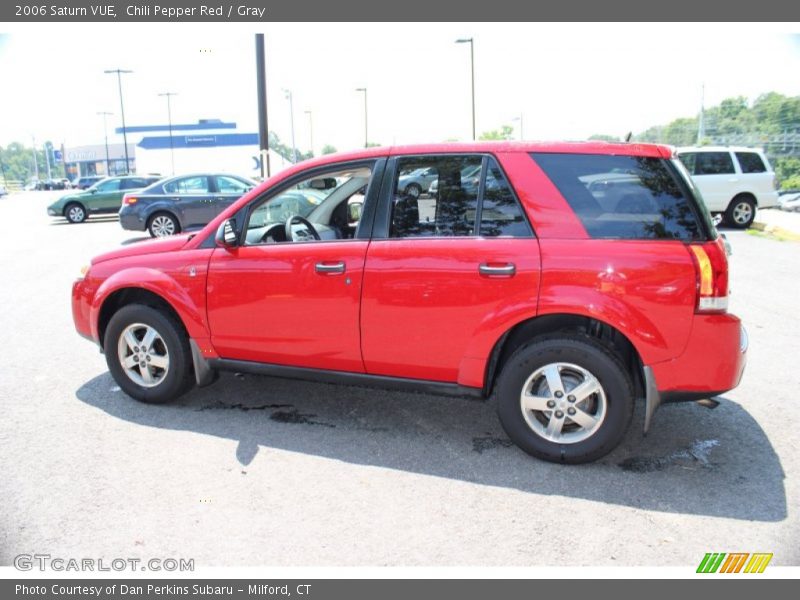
[148, 354]
[565, 399]
[163, 225]
[75, 213]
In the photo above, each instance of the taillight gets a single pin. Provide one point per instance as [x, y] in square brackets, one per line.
[711, 265]
[130, 200]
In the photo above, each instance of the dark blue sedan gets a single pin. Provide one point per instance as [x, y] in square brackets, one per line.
[181, 203]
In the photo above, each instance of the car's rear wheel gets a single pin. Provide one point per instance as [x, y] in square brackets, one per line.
[565, 399]
[75, 213]
[413, 190]
[741, 212]
[148, 354]
[162, 225]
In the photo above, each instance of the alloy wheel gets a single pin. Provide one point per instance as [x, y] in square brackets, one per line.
[143, 355]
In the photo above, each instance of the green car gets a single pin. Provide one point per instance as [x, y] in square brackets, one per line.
[105, 196]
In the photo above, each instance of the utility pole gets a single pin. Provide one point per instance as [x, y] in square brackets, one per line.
[35, 160]
[519, 118]
[701, 133]
[261, 85]
[105, 136]
[169, 95]
[119, 73]
[48, 148]
[471, 43]
[288, 94]
[366, 135]
[310, 132]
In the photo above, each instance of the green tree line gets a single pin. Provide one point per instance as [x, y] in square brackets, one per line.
[16, 163]
[771, 122]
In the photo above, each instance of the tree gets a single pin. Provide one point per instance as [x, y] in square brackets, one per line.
[328, 149]
[504, 133]
[601, 137]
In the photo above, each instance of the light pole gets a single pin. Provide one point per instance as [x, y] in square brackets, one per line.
[119, 73]
[366, 135]
[169, 119]
[35, 159]
[472, 67]
[310, 131]
[519, 118]
[288, 94]
[105, 135]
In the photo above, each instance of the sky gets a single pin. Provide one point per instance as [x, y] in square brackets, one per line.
[567, 81]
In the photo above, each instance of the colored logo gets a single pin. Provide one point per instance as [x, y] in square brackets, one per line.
[734, 562]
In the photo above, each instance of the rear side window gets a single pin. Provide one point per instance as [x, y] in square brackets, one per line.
[623, 197]
[501, 214]
[713, 163]
[750, 162]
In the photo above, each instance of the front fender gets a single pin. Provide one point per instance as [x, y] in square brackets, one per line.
[180, 296]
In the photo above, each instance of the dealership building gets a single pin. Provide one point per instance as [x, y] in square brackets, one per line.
[208, 145]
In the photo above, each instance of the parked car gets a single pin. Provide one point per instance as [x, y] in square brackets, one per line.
[732, 181]
[103, 197]
[85, 182]
[789, 200]
[417, 182]
[567, 299]
[182, 203]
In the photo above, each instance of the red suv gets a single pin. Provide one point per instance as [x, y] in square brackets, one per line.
[568, 279]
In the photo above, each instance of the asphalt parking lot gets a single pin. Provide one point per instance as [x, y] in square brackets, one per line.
[261, 471]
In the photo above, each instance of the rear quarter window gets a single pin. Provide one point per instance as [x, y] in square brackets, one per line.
[750, 162]
[624, 197]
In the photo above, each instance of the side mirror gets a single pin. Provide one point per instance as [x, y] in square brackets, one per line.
[226, 235]
[355, 211]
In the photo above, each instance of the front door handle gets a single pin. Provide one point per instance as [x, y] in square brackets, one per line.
[325, 268]
[497, 270]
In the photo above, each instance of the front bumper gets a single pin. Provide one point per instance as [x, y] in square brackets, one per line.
[53, 212]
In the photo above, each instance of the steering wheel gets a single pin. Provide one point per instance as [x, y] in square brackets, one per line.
[300, 236]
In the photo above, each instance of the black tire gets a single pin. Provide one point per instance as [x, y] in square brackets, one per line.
[160, 220]
[413, 190]
[75, 212]
[589, 355]
[174, 342]
[741, 212]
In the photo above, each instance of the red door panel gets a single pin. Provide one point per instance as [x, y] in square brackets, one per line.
[288, 304]
[426, 307]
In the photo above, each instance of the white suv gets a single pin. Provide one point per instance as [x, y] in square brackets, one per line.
[733, 181]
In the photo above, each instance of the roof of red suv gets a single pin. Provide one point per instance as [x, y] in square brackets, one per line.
[593, 147]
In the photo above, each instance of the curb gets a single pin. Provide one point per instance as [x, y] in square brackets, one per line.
[776, 230]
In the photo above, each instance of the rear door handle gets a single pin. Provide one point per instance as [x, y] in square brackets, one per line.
[496, 270]
[329, 268]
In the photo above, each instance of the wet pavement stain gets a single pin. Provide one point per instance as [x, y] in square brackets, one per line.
[697, 453]
[479, 444]
[296, 417]
[242, 407]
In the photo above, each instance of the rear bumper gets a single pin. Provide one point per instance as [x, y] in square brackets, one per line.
[712, 364]
[131, 220]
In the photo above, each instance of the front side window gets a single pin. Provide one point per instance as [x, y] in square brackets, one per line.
[321, 207]
[188, 185]
[231, 185]
[623, 197]
[750, 162]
